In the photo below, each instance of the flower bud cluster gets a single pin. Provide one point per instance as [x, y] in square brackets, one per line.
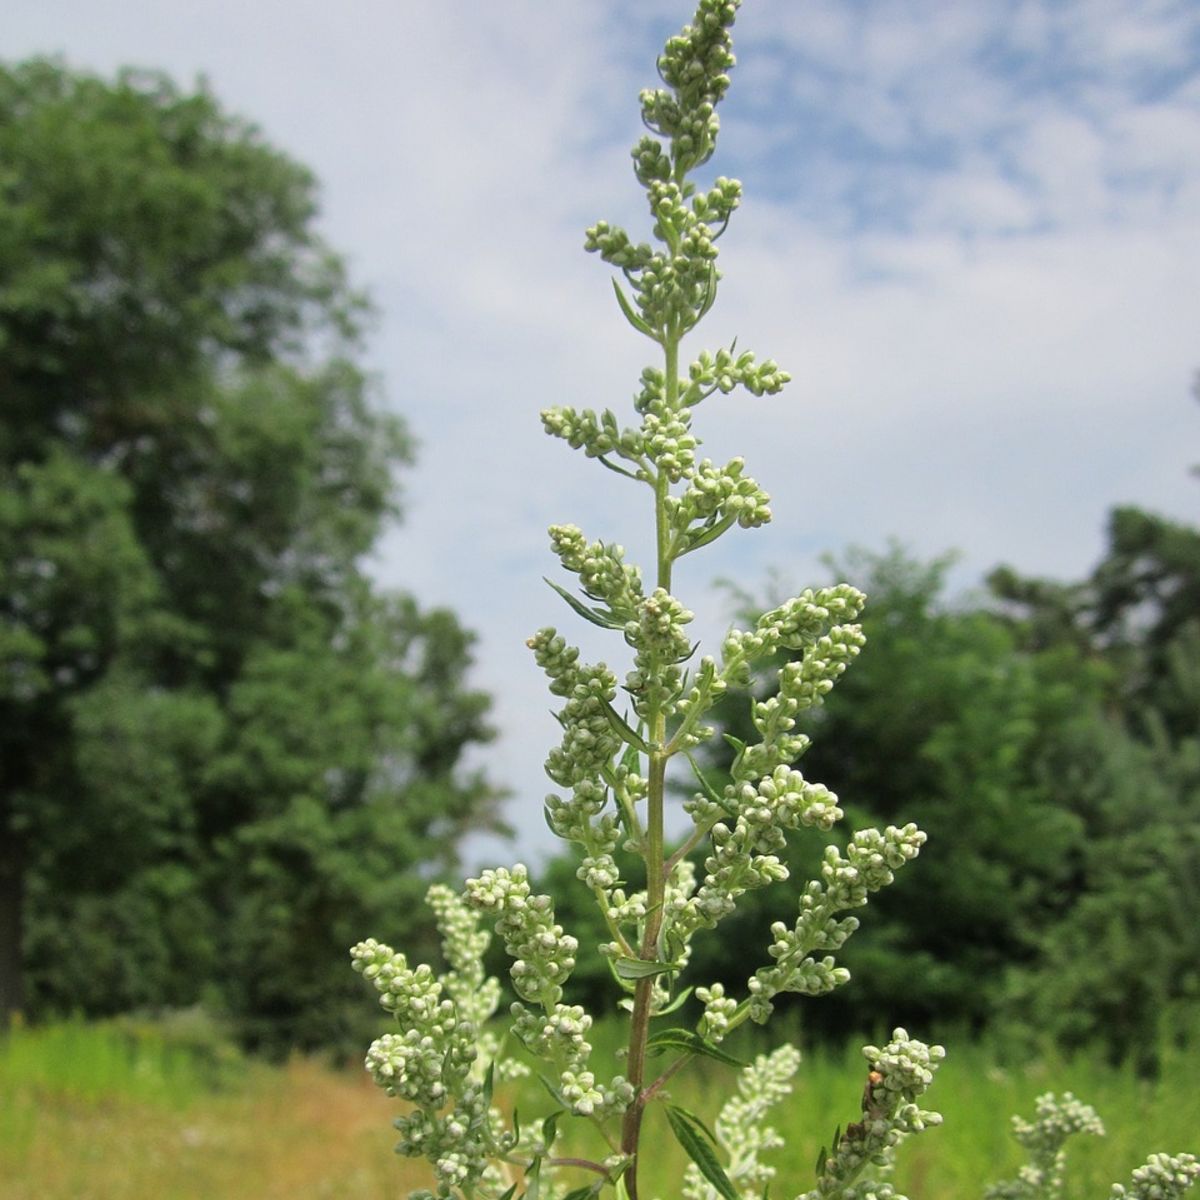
[1164, 1177]
[595, 435]
[868, 865]
[717, 204]
[744, 857]
[459, 1145]
[544, 956]
[658, 637]
[899, 1075]
[803, 683]
[796, 625]
[559, 1036]
[1044, 1139]
[669, 442]
[613, 245]
[723, 372]
[718, 1011]
[675, 286]
[577, 818]
[695, 65]
[464, 943]
[588, 742]
[716, 497]
[740, 1130]
[602, 570]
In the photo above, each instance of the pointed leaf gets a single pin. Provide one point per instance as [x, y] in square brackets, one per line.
[533, 1180]
[640, 968]
[621, 728]
[691, 1133]
[691, 1042]
[550, 1129]
[679, 1001]
[707, 533]
[631, 316]
[489, 1081]
[710, 292]
[508, 1195]
[705, 786]
[582, 1193]
[597, 616]
[612, 466]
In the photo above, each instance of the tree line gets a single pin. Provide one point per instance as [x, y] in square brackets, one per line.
[224, 751]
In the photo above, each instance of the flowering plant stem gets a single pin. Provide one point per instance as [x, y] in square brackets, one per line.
[610, 771]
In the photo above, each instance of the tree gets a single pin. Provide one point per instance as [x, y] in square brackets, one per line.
[206, 709]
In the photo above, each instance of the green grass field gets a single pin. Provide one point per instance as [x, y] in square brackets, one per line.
[122, 1112]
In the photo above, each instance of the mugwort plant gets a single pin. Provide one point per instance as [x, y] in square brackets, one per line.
[621, 736]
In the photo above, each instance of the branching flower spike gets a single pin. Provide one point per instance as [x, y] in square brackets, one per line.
[624, 731]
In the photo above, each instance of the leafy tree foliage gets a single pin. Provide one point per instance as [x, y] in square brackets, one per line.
[220, 746]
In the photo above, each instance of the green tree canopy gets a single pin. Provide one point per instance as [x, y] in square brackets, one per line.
[217, 737]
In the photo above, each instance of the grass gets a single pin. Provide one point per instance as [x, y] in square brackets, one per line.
[127, 1112]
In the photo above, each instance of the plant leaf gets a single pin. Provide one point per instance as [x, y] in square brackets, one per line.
[677, 1003]
[631, 316]
[707, 533]
[582, 1193]
[612, 466]
[640, 968]
[692, 1134]
[621, 728]
[692, 1043]
[489, 1081]
[597, 616]
[533, 1180]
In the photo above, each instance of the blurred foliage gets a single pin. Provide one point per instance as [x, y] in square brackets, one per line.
[223, 751]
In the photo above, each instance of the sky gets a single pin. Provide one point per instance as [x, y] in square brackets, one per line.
[971, 232]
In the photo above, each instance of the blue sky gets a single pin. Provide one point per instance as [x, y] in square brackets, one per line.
[971, 232]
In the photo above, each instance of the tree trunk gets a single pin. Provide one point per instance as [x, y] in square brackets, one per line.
[12, 891]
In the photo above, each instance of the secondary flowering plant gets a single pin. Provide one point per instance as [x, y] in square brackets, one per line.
[620, 738]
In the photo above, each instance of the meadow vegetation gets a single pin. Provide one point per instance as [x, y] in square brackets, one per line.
[121, 1112]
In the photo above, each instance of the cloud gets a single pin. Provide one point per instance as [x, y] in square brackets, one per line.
[970, 233]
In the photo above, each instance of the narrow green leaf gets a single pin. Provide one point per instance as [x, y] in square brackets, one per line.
[550, 1129]
[516, 1127]
[691, 1133]
[597, 616]
[621, 1188]
[489, 1081]
[679, 1001]
[533, 1180]
[621, 728]
[707, 534]
[508, 1195]
[612, 466]
[640, 968]
[582, 1193]
[706, 787]
[632, 316]
[690, 1042]
[710, 293]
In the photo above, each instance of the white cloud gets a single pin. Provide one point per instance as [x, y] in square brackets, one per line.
[970, 233]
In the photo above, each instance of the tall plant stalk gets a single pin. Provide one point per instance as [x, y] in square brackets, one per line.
[610, 771]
